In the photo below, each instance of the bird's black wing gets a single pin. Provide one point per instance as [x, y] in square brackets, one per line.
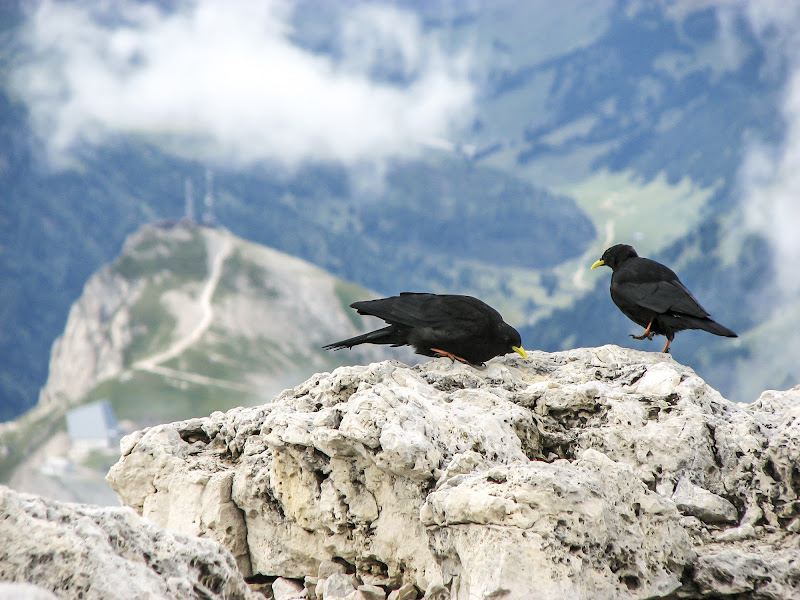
[662, 297]
[456, 315]
[656, 287]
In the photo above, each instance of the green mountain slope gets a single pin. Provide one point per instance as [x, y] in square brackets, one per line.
[186, 321]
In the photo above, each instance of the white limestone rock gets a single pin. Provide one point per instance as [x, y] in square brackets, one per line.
[337, 467]
[328, 567]
[92, 347]
[371, 592]
[24, 591]
[449, 477]
[559, 528]
[338, 585]
[406, 592]
[99, 553]
[436, 591]
[759, 571]
[287, 589]
[708, 507]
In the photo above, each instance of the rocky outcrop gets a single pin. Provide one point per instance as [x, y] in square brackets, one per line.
[94, 553]
[591, 473]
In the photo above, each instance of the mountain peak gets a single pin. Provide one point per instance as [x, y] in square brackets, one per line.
[193, 311]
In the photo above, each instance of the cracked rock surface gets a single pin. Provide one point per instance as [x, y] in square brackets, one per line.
[60, 550]
[590, 473]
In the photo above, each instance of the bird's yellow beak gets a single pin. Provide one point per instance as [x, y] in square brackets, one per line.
[520, 350]
[597, 263]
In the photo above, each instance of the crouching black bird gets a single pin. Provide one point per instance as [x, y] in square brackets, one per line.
[461, 327]
[651, 295]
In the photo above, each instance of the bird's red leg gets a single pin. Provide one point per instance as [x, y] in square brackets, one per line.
[669, 341]
[647, 334]
[449, 355]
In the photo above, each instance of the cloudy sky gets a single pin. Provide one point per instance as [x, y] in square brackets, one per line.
[770, 173]
[226, 82]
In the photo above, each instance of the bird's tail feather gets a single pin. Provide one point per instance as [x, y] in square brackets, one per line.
[714, 327]
[379, 336]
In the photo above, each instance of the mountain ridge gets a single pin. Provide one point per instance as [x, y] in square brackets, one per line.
[187, 320]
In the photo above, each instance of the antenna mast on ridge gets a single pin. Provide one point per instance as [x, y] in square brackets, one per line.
[188, 189]
[209, 218]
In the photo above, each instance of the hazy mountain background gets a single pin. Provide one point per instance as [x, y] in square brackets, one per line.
[489, 148]
[187, 320]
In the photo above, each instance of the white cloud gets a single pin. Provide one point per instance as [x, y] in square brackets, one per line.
[770, 174]
[223, 81]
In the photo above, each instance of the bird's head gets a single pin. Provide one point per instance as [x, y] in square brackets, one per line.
[513, 340]
[615, 256]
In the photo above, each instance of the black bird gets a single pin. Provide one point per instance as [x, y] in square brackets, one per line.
[651, 295]
[461, 327]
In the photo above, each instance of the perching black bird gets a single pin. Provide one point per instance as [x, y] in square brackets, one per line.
[461, 327]
[651, 295]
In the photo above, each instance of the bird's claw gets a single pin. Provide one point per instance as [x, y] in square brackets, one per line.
[649, 336]
[450, 355]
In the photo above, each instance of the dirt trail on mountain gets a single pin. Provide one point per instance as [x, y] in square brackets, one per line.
[153, 364]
